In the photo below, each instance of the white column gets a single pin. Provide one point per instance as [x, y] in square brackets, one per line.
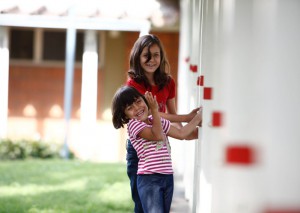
[68, 92]
[208, 72]
[89, 88]
[237, 174]
[178, 148]
[4, 73]
[183, 151]
[259, 56]
[250, 58]
[196, 61]
[280, 73]
[145, 28]
[192, 96]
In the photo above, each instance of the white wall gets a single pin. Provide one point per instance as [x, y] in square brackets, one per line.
[250, 60]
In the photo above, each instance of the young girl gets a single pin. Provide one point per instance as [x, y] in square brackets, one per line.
[150, 71]
[148, 135]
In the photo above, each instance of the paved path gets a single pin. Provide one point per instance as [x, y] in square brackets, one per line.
[179, 203]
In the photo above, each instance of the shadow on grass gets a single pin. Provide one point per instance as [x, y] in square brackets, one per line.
[63, 201]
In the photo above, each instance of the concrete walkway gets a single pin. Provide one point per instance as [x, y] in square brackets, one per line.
[179, 203]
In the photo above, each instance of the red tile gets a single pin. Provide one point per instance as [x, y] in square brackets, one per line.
[207, 93]
[239, 154]
[217, 119]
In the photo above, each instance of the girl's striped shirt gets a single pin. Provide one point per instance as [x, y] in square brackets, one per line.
[154, 156]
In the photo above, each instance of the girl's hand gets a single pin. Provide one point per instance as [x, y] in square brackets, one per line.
[153, 105]
[199, 114]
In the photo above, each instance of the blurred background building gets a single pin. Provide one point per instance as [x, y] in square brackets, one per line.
[66, 60]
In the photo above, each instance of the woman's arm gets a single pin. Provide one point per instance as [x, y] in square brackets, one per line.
[180, 118]
[172, 113]
[189, 131]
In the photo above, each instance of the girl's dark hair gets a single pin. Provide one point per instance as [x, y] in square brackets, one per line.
[123, 97]
[136, 72]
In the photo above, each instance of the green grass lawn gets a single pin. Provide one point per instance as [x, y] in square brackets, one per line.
[61, 186]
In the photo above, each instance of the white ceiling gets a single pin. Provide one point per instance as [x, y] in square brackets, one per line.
[90, 14]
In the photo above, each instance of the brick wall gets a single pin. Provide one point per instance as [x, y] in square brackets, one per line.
[41, 87]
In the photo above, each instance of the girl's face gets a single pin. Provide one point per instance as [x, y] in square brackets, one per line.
[137, 110]
[154, 62]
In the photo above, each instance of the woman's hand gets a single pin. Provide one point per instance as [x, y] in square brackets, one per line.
[193, 113]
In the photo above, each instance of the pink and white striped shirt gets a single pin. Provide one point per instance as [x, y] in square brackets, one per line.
[154, 156]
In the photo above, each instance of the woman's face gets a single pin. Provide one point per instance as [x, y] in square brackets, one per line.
[152, 65]
[137, 110]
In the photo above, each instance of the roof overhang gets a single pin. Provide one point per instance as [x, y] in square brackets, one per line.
[118, 15]
[74, 22]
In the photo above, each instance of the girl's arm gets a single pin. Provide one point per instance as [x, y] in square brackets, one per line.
[193, 135]
[155, 132]
[179, 118]
[172, 114]
[188, 131]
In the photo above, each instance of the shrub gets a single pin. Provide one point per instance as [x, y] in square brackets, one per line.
[21, 149]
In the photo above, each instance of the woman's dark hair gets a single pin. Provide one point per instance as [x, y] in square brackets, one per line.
[123, 97]
[136, 72]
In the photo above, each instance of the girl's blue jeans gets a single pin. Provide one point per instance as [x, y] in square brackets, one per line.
[132, 167]
[156, 192]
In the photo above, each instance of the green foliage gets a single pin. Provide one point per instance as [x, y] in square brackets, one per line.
[64, 186]
[22, 149]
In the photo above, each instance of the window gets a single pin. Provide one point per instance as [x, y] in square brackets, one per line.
[54, 46]
[21, 44]
[79, 46]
